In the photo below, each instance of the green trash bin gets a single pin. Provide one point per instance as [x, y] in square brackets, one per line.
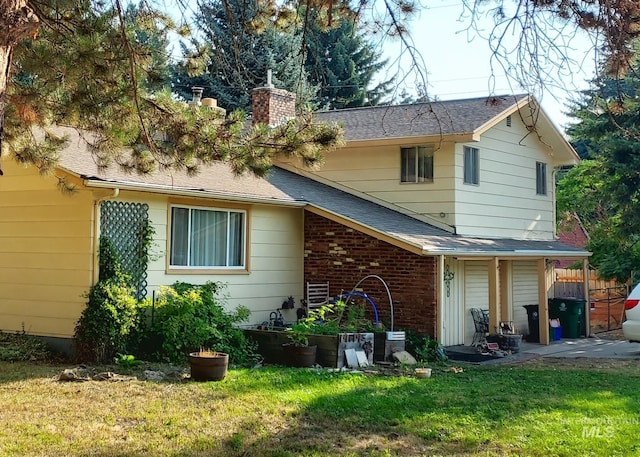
[570, 311]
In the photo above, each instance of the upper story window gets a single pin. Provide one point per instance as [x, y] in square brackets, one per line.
[541, 178]
[471, 165]
[416, 164]
[207, 238]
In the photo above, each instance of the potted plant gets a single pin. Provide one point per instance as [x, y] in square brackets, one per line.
[298, 352]
[208, 365]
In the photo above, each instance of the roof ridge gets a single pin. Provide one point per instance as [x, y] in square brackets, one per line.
[416, 104]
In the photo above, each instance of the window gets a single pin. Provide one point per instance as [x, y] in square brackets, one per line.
[471, 165]
[417, 164]
[207, 238]
[541, 178]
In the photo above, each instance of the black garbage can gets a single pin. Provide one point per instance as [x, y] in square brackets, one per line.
[534, 323]
[570, 311]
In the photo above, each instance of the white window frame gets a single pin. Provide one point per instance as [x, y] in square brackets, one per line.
[420, 174]
[227, 254]
[471, 165]
[541, 178]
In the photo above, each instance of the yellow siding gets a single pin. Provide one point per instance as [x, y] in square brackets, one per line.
[505, 203]
[374, 173]
[525, 292]
[275, 257]
[46, 253]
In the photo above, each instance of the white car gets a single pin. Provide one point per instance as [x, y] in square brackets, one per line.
[631, 327]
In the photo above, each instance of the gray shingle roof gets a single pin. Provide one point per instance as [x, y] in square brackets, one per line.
[283, 187]
[215, 179]
[420, 119]
[406, 228]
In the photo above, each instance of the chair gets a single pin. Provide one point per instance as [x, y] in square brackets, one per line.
[317, 294]
[481, 324]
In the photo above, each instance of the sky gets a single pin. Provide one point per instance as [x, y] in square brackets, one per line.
[458, 61]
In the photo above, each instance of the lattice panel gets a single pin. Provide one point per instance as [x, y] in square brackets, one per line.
[124, 224]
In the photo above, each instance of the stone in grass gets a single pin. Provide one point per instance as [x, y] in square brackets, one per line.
[150, 375]
[404, 358]
[71, 375]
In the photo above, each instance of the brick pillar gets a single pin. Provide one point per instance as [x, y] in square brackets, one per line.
[271, 106]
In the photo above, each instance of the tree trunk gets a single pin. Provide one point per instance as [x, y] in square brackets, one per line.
[17, 21]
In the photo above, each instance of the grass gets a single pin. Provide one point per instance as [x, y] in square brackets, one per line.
[537, 409]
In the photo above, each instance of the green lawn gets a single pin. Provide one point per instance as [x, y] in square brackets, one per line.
[536, 409]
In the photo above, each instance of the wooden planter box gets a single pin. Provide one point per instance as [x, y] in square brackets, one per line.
[270, 346]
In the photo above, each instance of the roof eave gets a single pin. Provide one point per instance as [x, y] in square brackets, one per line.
[570, 157]
[520, 253]
[514, 107]
[440, 138]
[185, 192]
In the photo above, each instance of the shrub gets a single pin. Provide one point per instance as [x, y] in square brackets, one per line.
[110, 314]
[21, 346]
[188, 317]
[424, 348]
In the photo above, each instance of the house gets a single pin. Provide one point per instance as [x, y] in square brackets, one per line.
[449, 205]
[571, 232]
[460, 210]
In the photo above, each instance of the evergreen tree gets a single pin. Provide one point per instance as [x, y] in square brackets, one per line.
[343, 64]
[604, 189]
[241, 50]
[95, 68]
[84, 68]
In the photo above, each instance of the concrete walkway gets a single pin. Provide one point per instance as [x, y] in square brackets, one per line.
[594, 348]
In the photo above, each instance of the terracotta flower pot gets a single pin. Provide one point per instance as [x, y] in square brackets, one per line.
[208, 367]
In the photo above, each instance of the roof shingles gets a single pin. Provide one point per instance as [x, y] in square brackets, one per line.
[420, 119]
[283, 187]
[403, 227]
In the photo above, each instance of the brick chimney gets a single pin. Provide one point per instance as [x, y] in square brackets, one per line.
[272, 106]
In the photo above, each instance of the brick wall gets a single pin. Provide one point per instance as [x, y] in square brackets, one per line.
[270, 106]
[343, 256]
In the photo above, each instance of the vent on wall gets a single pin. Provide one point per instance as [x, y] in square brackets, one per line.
[509, 121]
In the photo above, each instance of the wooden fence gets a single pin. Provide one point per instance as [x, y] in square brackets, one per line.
[566, 276]
[606, 298]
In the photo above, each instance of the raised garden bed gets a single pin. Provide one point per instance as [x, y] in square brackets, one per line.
[270, 346]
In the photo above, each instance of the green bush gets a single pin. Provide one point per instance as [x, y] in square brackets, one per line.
[110, 314]
[424, 348]
[20, 346]
[189, 317]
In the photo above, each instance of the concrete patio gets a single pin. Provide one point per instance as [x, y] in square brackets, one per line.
[592, 347]
[588, 348]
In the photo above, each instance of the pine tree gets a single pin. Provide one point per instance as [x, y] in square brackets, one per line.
[344, 65]
[242, 50]
[95, 68]
[85, 68]
[604, 189]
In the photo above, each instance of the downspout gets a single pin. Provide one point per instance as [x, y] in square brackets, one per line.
[96, 231]
[554, 214]
[440, 305]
